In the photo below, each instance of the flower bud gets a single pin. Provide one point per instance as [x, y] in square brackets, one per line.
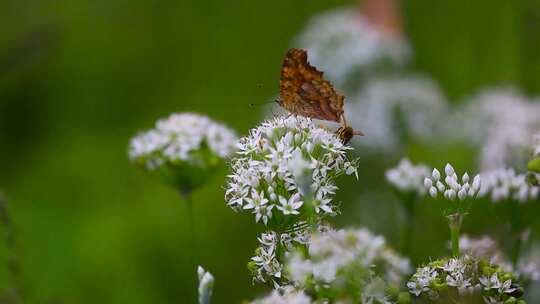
[428, 183]
[433, 192]
[436, 174]
[449, 170]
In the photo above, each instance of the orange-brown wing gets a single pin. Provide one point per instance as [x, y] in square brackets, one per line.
[303, 91]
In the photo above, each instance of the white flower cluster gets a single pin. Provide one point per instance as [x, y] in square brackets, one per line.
[333, 253]
[451, 188]
[265, 265]
[180, 138]
[501, 122]
[467, 275]
[287, 295]
[285, 169]
[494, 283]
[505, 184]
[392, 109]
[343, 42]
[206, 285]
[407, 177]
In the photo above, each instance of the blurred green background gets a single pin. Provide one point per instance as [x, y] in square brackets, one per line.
[79, 78]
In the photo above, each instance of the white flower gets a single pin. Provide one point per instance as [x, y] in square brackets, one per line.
[536, 145]
[290, 206]
[452, 187]
[491, 282]
[286, 163]
[484, 247]
[343, 42]
[493, 300]
[178, 138]
[421, 280]
[206, 285]
[454, 266]
[374, 293]
[505, 184]
[407, 177]
[501, 123]
[266, 265]
[331, 252]
[458, 281]
[528, 267]
[506, 287]
[298, 268]
[390, 110]
[466, 275]
[287, 295]
[321, 204]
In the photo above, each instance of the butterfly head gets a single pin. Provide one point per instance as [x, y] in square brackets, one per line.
[346, 133]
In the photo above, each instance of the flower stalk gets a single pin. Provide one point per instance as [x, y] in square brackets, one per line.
[408, 182]
[454, 223]
[17, 294]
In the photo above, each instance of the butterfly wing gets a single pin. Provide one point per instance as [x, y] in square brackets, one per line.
[303, 91]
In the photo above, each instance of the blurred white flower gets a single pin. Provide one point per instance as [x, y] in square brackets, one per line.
[374, 292]
[392, 110]
[343, 43]
[536, 145]
[407, 177]
[336, 253]
[282, 166]
[501, 122]
[483, 247]
[184, 149]
[451, 187]
[505, 184]
[286, 295]
[528, 267]
[180, 138]
[206, 285]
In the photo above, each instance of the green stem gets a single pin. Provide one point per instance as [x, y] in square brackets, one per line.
[192, 248]
[454, 233]
[516, 249]
[455, 221]
[408, 231]
[13, 263]
[188, 201]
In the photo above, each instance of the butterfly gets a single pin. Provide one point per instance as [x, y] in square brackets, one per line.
[304, 92]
